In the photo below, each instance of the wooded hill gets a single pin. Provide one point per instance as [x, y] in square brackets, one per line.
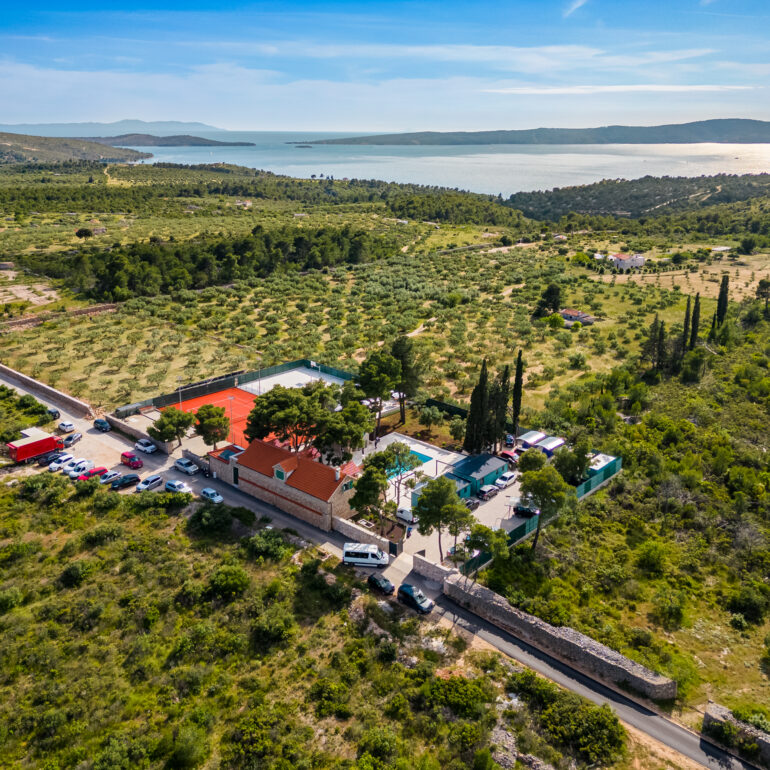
[20, 148]
[148, 140]
[729, 130]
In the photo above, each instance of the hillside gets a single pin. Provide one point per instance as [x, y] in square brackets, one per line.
[148, 140]
[731, 130]
[157, 127]
[21, 148]
[648, 196]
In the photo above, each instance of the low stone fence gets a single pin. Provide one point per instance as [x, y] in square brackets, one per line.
[56, 397]
[131, 430]
[29, 321]
[565, 643]
[430, 571]
[201, 462]
[716, 717]
[356, 534]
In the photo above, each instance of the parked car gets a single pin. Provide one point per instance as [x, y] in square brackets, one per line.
[509, 439]
[471, 503]
[487, 491]
[211, 495]
[69, 465]
[48, 458]
[53, 412]
[505, 480]
[380, 584]
[101, 424]
[149, 483]
[526, 508]
[109, 477]
[66, 426]
[93, 473]
[146, 446]
[73, 438]
[512, 458]
[406, 515]
[186, 466]
[57, 464]
[125, 481]
[413, 597]
[172, 485]
[80, 468]
[131, 460]
[364, 555]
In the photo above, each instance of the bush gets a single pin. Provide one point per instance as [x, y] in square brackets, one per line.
[190, 748]
[211, 519]
[269, 544]
[378, 742]
[464, 697]
[229, 581]
[331, 698]
[275, 625]
[751, 602]
[10, 598]
[75, 573]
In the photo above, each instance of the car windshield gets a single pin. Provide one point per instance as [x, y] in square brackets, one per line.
[419, 596]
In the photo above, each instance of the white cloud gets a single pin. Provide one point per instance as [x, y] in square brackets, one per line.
[573, 6]
[614, 89]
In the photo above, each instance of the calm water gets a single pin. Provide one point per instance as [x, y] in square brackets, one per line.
[492, 169]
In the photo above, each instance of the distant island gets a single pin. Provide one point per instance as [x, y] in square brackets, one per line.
[148, 140]
[23, 148]
[725, 131]
[129, 126]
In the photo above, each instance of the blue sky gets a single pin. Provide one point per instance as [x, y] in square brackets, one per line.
[393, 66]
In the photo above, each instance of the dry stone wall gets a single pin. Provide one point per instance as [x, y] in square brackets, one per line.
[164, 446]
[429, 570]
[357, 534]
[565, 643]
[56, 397]
[716, 715]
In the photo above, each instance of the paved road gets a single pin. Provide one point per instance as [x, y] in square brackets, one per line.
[105, 448]
[659, 728]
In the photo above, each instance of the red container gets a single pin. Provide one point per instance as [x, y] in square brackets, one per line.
[26, 449]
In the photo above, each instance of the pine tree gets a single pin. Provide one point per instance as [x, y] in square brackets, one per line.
[518, 390]
[477, 414]
[695, 322]
[724, 291]
[685, 331]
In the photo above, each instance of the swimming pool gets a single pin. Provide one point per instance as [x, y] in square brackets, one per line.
[419, 455]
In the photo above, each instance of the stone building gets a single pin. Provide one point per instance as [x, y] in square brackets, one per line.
[296, 484]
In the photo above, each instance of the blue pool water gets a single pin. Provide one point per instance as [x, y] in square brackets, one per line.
[421, 457]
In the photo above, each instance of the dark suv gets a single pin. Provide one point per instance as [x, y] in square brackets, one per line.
[101, 424]
[526, 508]
[413, 597]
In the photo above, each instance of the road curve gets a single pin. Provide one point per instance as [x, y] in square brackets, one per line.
[634, 714]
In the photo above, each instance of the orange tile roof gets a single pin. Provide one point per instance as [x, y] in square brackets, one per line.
[309, 476]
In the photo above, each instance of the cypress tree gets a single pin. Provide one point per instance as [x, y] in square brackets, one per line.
[660, 348]
[498, 407]
[518, 389]
[713, 330]
[477, 414]
[695, 322]
[686, 330]
[724, 291]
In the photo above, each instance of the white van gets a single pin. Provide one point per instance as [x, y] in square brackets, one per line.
[364, 555]
[406, 515]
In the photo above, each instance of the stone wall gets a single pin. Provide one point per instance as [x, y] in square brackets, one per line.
[56, 397]
[719, 715]
[565, 643]
[357, 534]
[130, 430]
[429, 570]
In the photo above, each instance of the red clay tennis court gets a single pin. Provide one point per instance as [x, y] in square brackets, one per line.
[241, 404]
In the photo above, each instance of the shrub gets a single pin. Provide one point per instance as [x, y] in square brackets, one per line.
[10, 598]
[669, 607]
[269, 544]
[101, 535]
[378, 742]
[275, 625]
[211, 519]
[190, 748]
[751, 602]
[651, 558]
[464, 697]
[331, 698]
[75, 573]
[229, 581]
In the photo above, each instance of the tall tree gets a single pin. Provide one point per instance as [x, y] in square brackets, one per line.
[498, 407]
[395, 461]
[212, 424]
[548, 491]
[660, 349]
[695, 322]
[763, 291]
[723, 300]
[290, 413]
[378, 375]
[172, 424]
[550, 300]
[518, 390]
[409, 383]
[370, 490]
[713, 329]
[477, 414]
[338, 434]
[649, 350]
[685, 332]
[437, 507]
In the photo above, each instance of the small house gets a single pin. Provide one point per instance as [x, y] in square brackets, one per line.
[598, 463]
[571, 316]
[479, 470]
[531, 438]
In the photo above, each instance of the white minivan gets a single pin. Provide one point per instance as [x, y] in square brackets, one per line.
[364, 555]
[406, 515]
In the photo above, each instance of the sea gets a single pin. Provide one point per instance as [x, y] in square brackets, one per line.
[491, 169]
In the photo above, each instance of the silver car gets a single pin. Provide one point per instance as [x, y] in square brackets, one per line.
[60, 462]
[149, 483]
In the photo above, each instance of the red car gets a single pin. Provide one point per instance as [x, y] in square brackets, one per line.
[131, 460]
[93, 473]
[510, 457]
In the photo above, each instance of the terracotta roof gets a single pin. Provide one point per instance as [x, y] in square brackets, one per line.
[309, 476]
